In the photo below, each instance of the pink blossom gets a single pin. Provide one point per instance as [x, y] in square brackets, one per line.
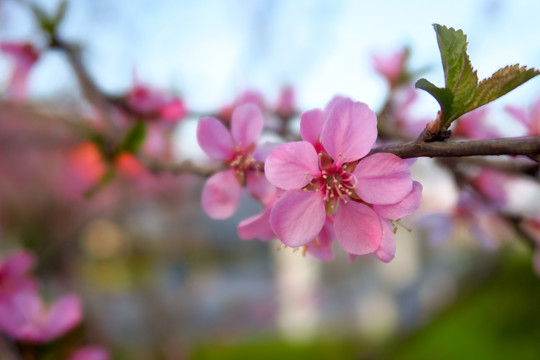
[258, 226]
[85, 164]
[25, 56]
[329, 174]
[391, 66]
[90, 353]
[14, 275]
[530, 120]
[155, 104]
[236, 148]
[128, 165]
[491, 184]
[402, 104]
[481, 220]
[321, 246]
[247, 97]
[23, 316]
[286, 105]
[473, 126]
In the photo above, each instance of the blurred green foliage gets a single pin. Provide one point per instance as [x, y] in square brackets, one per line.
[498, 320]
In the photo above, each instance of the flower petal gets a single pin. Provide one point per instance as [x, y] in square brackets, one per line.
[519, 114]
[292, 165]
[257, 226]
[18, 313]
[332, 102]
[404, 207]
[64, 315]
[259, 187]
[221, 195]
[358, 229]
[383, 179]
[90, 353]
[321, 247]
[18, 264]
[214, 138]
[311, 125]
[387, 247]
[262, 151]
[246, 124]
[350, 131]
[298, 217]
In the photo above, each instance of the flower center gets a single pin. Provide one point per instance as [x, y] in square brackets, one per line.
[242, 161]
[336, 183]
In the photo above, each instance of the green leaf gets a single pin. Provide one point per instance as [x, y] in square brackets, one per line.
[60, 12]
[501, 82]
[462, 92]
[457, 67]
[49, 23]
[134, 137]
[459, 76]
[45, 23]
[442, 95]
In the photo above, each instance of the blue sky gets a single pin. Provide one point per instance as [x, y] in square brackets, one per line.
[209, 50]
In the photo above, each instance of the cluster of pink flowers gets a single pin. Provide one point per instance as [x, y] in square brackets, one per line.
[329, 175]
[238, 151]
[155, 104]
[23, 314]
[323, 187]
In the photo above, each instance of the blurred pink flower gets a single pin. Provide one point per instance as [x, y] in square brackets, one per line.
[14, 275]
[403, 101]
[531, 119]
[25, 56]
[237, 150]
[286, 105]
[322, 175]
[481, 220]
[90, 353]
[491, 184]
[128, 165]
[84, 167]
[85, 163]
[473, 126]
[247, 97]
[23, 316]
[155, 104]
[391, 67]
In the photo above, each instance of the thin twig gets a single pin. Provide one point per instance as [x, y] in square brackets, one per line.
[184, 167]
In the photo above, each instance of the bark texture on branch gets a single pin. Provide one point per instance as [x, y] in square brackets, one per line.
[528, 146]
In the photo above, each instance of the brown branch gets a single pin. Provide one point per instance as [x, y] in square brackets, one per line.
[184, 167]
[517, 167]
[89, 88]
[529, 146]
